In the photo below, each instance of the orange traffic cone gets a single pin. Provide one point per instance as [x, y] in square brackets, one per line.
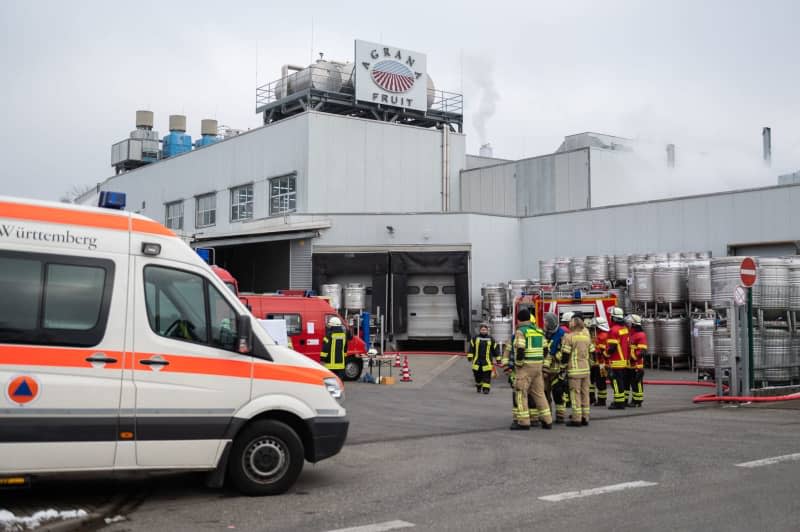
[406, 373]
[397, 360]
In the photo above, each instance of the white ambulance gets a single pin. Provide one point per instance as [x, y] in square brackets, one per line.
[121, 351]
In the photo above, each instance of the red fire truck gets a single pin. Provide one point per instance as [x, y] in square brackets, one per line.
[591, 303]
[306, 318]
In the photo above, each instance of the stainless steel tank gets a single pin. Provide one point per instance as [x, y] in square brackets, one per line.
[597, 268]
[657, 257]
[724, 280]
[355, 296]
[612, 267]
[676, 256]
[562, 270]
[771, 290]
[547, 271]
[722, 346]
[703, 342]
[777, 349]
[688, 256]
[334, 292]
[516, 288]
[649, 328]
[621, 270]
[669, 282]
[495, 299]
[699, 281]
[501, 329]
[703, 255]
[673, 337]
[643, 281]
[794, 284]
[577, 270]
[623, 300]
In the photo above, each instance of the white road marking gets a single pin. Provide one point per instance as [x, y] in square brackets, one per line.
[376, 527]
[770, 461]
[597, 491]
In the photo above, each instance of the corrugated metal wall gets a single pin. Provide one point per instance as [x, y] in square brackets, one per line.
[300, 264]
[550, 183]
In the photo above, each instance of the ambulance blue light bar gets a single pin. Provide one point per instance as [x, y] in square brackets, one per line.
[112, 200]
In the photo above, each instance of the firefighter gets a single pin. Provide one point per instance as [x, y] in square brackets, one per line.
[553, 335]
[482, 353]
[334, 346]
[618, 348]
[575, 348]
[638, 350]
[591, 326]
[601, 356]
[558, 370]
[528, 356]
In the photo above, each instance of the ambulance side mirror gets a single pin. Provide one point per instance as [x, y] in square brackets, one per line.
[244, 326]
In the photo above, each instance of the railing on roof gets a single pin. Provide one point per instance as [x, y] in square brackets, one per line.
[328, 81]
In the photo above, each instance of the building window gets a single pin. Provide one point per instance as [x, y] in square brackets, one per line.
[206, 212]
[241, 203]
[173, 218]
[282, 194]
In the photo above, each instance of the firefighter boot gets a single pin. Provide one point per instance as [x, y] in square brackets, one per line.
[517, 426]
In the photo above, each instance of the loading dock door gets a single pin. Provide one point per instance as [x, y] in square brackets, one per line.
[432, 310]
[764, 249]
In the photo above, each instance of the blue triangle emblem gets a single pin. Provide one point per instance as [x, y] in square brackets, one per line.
[23, 390]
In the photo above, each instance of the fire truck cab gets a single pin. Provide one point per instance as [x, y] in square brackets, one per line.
[590, 303]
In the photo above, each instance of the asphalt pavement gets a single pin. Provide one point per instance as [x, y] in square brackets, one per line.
[434, 455]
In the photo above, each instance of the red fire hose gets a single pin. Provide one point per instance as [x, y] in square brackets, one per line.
[710, 397]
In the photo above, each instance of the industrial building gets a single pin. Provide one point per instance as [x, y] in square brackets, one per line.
[360, 175]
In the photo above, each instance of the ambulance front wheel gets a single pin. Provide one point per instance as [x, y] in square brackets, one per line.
[266, 458]
[353, 366]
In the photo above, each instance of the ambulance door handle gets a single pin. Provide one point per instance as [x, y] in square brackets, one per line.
[102, 358]
[154, 362]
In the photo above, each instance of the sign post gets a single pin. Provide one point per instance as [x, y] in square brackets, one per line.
[747, 273]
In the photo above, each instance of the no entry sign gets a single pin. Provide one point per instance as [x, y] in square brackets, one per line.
[747, 272]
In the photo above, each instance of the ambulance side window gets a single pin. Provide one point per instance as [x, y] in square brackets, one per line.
[54, 299]
[185, 306]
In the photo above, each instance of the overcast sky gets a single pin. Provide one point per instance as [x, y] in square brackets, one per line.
[706, 75]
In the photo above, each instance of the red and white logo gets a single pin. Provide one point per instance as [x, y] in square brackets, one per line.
[393, 76]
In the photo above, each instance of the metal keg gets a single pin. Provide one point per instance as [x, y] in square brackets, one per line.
[621, 270]
[724, 280]
[723, 344]
[703, 342]
[501, 329]
[355, 296]
[597, 268]
[612, 267]
[657, 257]
[771, 290]
[700, 281]
[517, 287]
[643, 282]
[777, 355]
[794, 284]
[688, 256]
[669, 282]
[649, 328]
[577, 270]
[562, 270]
[673, 340]
[547, 271]
[495, 299]
[334, 292]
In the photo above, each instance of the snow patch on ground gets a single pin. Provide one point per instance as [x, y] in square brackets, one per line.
[12, 523]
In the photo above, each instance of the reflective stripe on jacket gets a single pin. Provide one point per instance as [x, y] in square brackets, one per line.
[576, 348]
[482, 350]
[618, 346]
[334, 349]
[531, 339]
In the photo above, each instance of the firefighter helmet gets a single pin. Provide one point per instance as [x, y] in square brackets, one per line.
[550, 322]
[636, 320]
[602, 323]
[567, 316]
[524, 315]
[334, 322]
[617, 314]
